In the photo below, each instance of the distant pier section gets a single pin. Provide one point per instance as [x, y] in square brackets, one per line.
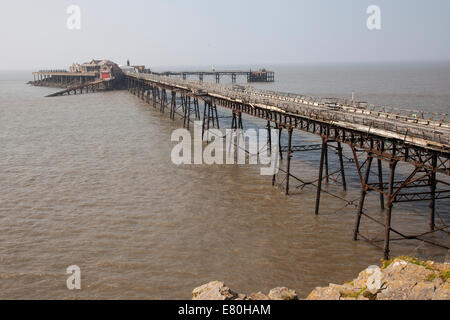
[87, 77]
[262, 75]
[106, 75]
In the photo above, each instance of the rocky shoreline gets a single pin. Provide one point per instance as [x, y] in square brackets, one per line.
[402, 278]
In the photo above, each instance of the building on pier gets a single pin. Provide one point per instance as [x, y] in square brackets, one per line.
[79, 74]
[85, 77]
[378, 138]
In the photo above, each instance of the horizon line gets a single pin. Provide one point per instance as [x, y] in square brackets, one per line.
[317, 63]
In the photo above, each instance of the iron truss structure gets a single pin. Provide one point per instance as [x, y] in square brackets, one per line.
[372, 133]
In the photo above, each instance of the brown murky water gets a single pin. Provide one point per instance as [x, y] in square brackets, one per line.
[88, 180]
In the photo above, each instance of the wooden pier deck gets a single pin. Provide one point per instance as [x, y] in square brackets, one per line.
[62, 77]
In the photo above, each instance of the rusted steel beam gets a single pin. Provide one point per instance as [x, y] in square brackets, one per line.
[380, 181]
[289, 156]
[342, 124]
[341, 164]
[433, 194]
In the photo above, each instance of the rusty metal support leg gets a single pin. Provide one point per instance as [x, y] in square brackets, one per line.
[274, 177]
[162, 100]
[183, 105]
[322, 160]
[185, 109]
[233, 121]
[269, 137]
[387, 226]
[196, 109]
[433, 194]
[173, 105]
[166, 101]
[194, 102]
[341, 163]
[362, 197]
[209, 116]
[380, 181]
[289, 156]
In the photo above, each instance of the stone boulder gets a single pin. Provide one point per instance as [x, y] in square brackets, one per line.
[403, 278]
[282, 293]
[214, 291]
[218, 291]
[327, 293]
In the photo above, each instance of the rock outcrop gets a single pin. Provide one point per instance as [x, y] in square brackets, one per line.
[213, 291]
[218, 291]
[403, 278]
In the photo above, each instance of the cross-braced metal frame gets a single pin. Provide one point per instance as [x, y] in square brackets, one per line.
[427, 161]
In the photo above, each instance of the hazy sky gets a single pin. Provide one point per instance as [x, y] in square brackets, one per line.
[34, 35]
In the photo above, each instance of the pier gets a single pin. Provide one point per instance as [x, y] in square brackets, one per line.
[94, 75]
[75, 82]
[375, 135]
